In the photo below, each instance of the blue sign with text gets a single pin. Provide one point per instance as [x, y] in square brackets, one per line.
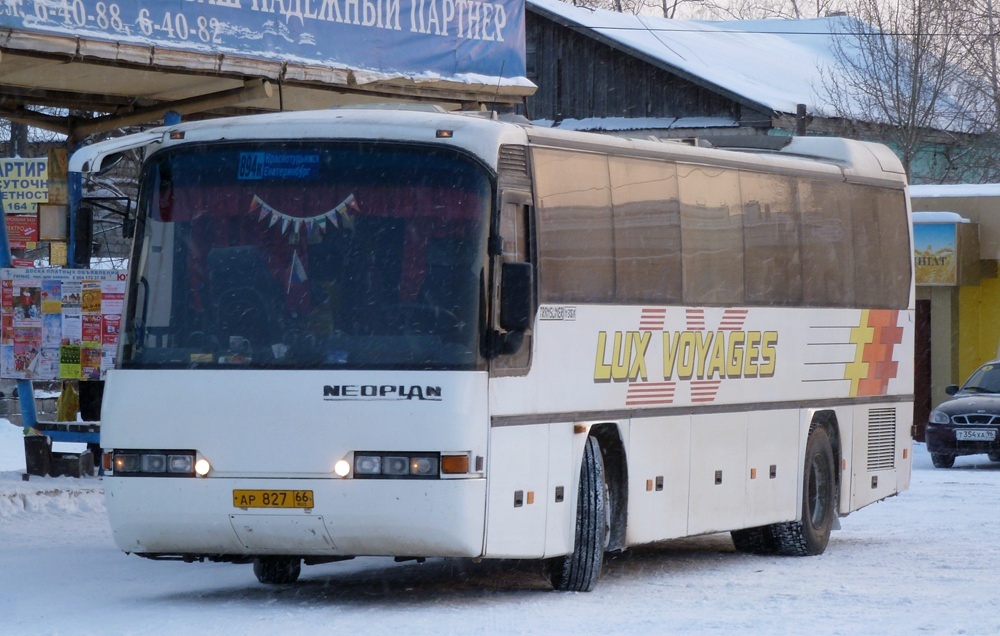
[421, 38]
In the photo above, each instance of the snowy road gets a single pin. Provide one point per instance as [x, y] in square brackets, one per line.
[924, 562]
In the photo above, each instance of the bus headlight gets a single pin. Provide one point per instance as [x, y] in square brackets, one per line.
[148, 463]
[153, 463]
[342, 468]
[367, 465]
[180, 463]
[424, 466]
[396, 465]
[202, 467]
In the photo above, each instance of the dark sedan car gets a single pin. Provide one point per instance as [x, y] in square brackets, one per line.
[967, 423]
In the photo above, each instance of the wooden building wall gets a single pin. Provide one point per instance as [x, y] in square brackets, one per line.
[578, 77]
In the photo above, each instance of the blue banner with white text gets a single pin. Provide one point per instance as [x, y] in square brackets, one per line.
[412, 38]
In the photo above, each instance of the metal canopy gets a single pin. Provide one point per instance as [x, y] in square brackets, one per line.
[133, 84]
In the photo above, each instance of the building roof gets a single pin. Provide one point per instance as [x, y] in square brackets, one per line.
[979, 190]
[771, 65]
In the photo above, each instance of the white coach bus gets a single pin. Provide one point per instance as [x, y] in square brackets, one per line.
[422, 334]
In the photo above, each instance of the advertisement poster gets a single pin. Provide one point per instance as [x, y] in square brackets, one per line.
[59, 324]
[934, 247]
[22, 231]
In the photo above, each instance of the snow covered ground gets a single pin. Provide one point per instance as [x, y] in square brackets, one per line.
[924, 562]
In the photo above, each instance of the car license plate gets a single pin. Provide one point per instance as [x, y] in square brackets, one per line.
[976, 435]
[273, 498]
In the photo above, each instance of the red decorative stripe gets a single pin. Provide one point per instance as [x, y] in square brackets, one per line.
[652, 318]
[648, 393]
[704, 390]
[733, 319]
[695, 319]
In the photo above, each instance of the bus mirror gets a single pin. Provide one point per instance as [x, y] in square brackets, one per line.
[111, 161]
[516, 311]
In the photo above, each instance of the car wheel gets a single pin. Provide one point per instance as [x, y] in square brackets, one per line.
[994, 456]
[942, 460]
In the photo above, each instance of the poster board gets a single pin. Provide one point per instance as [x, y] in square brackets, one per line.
[24, 183]
[59, 324]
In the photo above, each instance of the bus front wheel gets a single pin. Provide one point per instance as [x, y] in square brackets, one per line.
[277, 570]
[579, 570]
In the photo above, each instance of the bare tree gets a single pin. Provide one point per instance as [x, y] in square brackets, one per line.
[668, 8]
[761, 9]
[26, 141]
[621, 6]
[896, 72]
[978, 41]
[671, 8]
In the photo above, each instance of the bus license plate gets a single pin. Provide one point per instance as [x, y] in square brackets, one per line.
[976, 435]
[273, 498]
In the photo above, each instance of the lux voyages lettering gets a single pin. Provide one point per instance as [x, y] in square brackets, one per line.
[706, 355]
[687, 355]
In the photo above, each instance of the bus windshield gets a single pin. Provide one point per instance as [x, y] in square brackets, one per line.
[309, 255]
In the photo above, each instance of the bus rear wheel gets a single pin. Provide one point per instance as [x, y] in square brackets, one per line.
[810, 534]
[579, 570]
[759, 540]
[277, 570]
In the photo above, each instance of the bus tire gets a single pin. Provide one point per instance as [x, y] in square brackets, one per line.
[810, 534]
[943, 460]
[757, 540]
[579, 570]
[277, 570]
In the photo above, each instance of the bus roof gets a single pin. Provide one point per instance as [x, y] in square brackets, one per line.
[483, 133]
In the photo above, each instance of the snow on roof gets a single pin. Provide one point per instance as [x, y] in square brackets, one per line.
[939, 217]
[773, 63]
[958, 190]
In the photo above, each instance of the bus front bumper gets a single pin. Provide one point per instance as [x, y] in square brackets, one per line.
[196, 518]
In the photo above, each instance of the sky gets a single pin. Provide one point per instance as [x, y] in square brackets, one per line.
[922, 562]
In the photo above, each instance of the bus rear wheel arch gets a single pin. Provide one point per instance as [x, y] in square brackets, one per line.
[810, 534]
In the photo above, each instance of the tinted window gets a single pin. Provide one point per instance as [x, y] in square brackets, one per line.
[309, 255]
[575, 229]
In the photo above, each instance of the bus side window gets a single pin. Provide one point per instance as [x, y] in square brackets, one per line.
[515, 224]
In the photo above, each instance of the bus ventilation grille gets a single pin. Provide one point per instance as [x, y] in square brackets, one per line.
[881, 439]
[512, 167]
